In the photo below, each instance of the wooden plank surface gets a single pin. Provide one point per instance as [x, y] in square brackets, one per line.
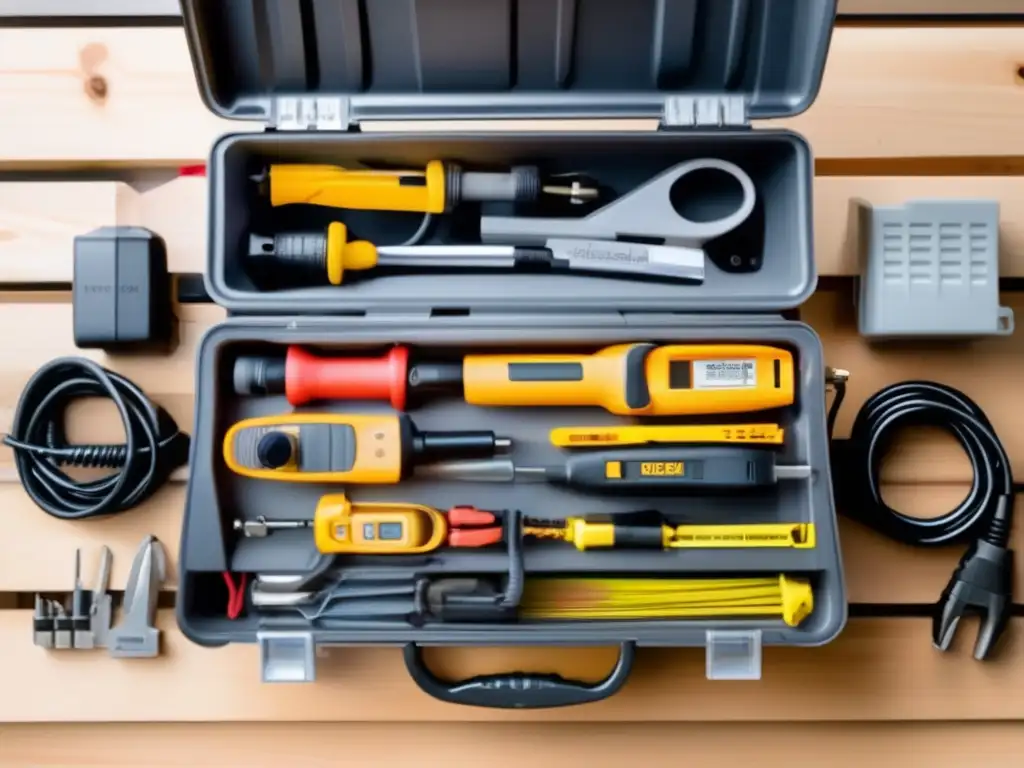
[131, 95]
[512, 745]
[890, 93]
[878, 669]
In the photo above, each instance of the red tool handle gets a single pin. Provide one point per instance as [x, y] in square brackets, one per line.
[309, 377]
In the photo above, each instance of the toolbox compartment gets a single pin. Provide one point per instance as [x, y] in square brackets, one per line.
[278, 62]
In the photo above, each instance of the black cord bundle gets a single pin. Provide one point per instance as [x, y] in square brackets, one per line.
[986, 513]
[153, 449]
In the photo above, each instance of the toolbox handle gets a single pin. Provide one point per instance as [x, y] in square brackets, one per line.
[518, 690]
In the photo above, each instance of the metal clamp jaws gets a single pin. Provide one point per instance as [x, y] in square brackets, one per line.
[645, 213]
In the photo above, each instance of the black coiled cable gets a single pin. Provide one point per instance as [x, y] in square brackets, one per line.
[986, 513]
[154, 446]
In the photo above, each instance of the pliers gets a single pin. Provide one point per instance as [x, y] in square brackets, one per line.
[472, 527]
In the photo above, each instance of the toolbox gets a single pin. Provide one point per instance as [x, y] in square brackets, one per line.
[314, 77]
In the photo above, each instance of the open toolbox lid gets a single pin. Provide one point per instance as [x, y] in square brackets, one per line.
[701, 66]
[505, 59]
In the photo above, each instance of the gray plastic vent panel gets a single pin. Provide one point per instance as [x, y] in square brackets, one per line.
[931, 269]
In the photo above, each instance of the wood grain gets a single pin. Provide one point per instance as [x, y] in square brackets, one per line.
[888, 92]
[878, 669]
[510, 745]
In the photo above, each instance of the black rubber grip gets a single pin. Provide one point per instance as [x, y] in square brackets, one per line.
[518, 690]
[638, 536]
[533, 259]
[545, 372]
[638, 395]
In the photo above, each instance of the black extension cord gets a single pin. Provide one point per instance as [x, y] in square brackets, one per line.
[983, 580]
[153, 449]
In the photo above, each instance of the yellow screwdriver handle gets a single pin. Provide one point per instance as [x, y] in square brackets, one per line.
[342, 255]
[365, 190]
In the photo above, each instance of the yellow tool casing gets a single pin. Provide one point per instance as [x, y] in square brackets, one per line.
[638, 379]
[367, 190]
[326, 448]
[341, 527]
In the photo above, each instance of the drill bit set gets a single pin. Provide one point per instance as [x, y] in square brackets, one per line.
[639, 235]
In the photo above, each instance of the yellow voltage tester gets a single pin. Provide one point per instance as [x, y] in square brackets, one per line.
[436, 189]
[344, 447]
[638, 379]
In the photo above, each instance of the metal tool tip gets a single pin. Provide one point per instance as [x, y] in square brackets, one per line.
[575, 191]
[502, 444]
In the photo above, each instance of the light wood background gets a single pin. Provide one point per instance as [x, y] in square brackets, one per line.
[907, 110]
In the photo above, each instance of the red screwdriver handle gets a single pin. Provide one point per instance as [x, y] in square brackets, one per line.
[309, 377]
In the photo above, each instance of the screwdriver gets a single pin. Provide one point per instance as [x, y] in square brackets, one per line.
[625, 379]
[325, 256]
[586, 534]
[350, 448]
[436, 189]
[667, 469]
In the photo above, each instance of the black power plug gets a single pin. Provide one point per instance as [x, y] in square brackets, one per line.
[121, 291]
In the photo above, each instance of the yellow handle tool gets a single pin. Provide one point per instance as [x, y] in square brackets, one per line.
[358, 189]
[641, 434]
[436, 189]
[585, 534]
[341, 527]
[638, 379]
[350, 448]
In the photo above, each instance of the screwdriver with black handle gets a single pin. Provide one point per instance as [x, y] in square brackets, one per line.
[668, 469]
[327, 256]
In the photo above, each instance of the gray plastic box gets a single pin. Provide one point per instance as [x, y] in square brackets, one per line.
[931, 269]
[314, 72]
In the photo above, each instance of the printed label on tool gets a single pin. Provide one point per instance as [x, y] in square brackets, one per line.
[709, 374]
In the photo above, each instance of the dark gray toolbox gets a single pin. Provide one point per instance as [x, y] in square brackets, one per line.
[315, 71]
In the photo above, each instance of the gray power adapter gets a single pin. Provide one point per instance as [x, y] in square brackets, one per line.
[121, 291]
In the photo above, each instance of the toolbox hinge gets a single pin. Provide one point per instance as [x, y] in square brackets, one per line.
[311, 113]
[287, 657]
[704, 112]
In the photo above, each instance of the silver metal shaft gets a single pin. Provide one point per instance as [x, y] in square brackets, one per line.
[447, 256]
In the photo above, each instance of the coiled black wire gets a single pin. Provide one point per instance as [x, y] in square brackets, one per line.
[987, 510]
[154, 446]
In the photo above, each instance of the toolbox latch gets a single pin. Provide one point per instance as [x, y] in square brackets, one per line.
[311, 113]
[704, 111]
[287, 657]
[733, 654]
